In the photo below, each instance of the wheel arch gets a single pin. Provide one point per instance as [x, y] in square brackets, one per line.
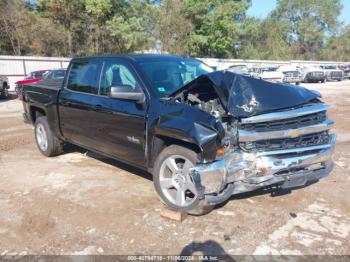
[36, 112]
[161, 142]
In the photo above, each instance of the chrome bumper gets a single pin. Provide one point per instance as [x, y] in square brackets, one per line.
[239, 172]
[291, 79]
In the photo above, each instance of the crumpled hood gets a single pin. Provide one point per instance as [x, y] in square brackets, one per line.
[244, 96]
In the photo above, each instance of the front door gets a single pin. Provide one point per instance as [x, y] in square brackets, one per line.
[121, 123]
[90, 118]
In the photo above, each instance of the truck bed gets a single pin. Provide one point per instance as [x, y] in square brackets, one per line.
[40, 98]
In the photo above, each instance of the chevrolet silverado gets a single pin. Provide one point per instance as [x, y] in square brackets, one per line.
[203, 135]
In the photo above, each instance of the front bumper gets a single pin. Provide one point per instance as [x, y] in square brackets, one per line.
[291, 79]
[239, 172]
[336, 77]
[315, 77]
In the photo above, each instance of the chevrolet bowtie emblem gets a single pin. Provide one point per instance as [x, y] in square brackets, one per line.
[295, 133]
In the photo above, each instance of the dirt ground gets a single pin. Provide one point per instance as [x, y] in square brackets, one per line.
[82, 203]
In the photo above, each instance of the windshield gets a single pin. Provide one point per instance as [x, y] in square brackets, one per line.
[269, 69]
[55, 74]
[238, 67]
[330, 67]
[168, 76]
[37, 74]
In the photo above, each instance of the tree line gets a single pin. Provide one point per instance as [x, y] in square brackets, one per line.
[295, 29]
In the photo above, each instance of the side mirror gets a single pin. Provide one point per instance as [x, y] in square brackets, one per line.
[126, 92]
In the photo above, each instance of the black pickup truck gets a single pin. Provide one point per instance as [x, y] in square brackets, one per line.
[204, 135]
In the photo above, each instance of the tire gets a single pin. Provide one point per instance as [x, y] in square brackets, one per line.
[48, 144]
[177, 182]
[5, 92]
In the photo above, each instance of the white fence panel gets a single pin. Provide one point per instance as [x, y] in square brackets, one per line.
[16, 67]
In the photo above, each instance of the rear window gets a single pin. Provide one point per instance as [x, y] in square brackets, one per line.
[37, 74]
[84, 76]
[58, 73]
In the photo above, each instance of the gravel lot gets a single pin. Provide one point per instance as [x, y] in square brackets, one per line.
[82, 203]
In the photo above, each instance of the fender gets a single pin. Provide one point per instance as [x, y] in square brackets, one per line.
[189, 132]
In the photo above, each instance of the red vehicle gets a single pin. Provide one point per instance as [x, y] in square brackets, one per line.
[31, 78]
[346, 69]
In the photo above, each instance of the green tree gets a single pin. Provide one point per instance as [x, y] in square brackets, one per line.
[311, 21]
[23, 32]
[14, 22]
[338, 47]
[174, 28]
[69, 15]
[266, 39]
[216, 26]
[132, 29]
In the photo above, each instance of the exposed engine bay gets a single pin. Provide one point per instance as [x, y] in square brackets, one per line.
[279, 134]
[206, 99]
[206, 102]
[232, 98]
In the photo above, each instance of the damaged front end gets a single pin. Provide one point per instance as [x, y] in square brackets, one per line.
[290, 157]
[275, 134]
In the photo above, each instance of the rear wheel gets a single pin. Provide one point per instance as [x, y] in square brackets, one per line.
[173, 182]
[47, 143]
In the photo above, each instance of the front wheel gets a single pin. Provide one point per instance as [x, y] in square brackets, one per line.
[47, 143]
[173, 182]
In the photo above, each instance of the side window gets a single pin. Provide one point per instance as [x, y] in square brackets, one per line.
[84, 77]
[116, 74]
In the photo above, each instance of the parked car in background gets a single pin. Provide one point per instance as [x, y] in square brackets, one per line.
[312, 74]
[4, 87]
[346, 70]
[47, 74]
[254, 71]
[55, 74]
[36, 74]
[31, 78]
[271, 74]
[239, 69]
[204, 135]
[291, 74]
[332, 72]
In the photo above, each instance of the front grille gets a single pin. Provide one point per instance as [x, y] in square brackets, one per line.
[291, 74]
[315, 139]
[336, 74]
[283, 124]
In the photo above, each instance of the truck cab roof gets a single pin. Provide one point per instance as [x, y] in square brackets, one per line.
[143, 57]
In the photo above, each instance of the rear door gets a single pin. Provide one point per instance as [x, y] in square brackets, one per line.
[77, 102]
